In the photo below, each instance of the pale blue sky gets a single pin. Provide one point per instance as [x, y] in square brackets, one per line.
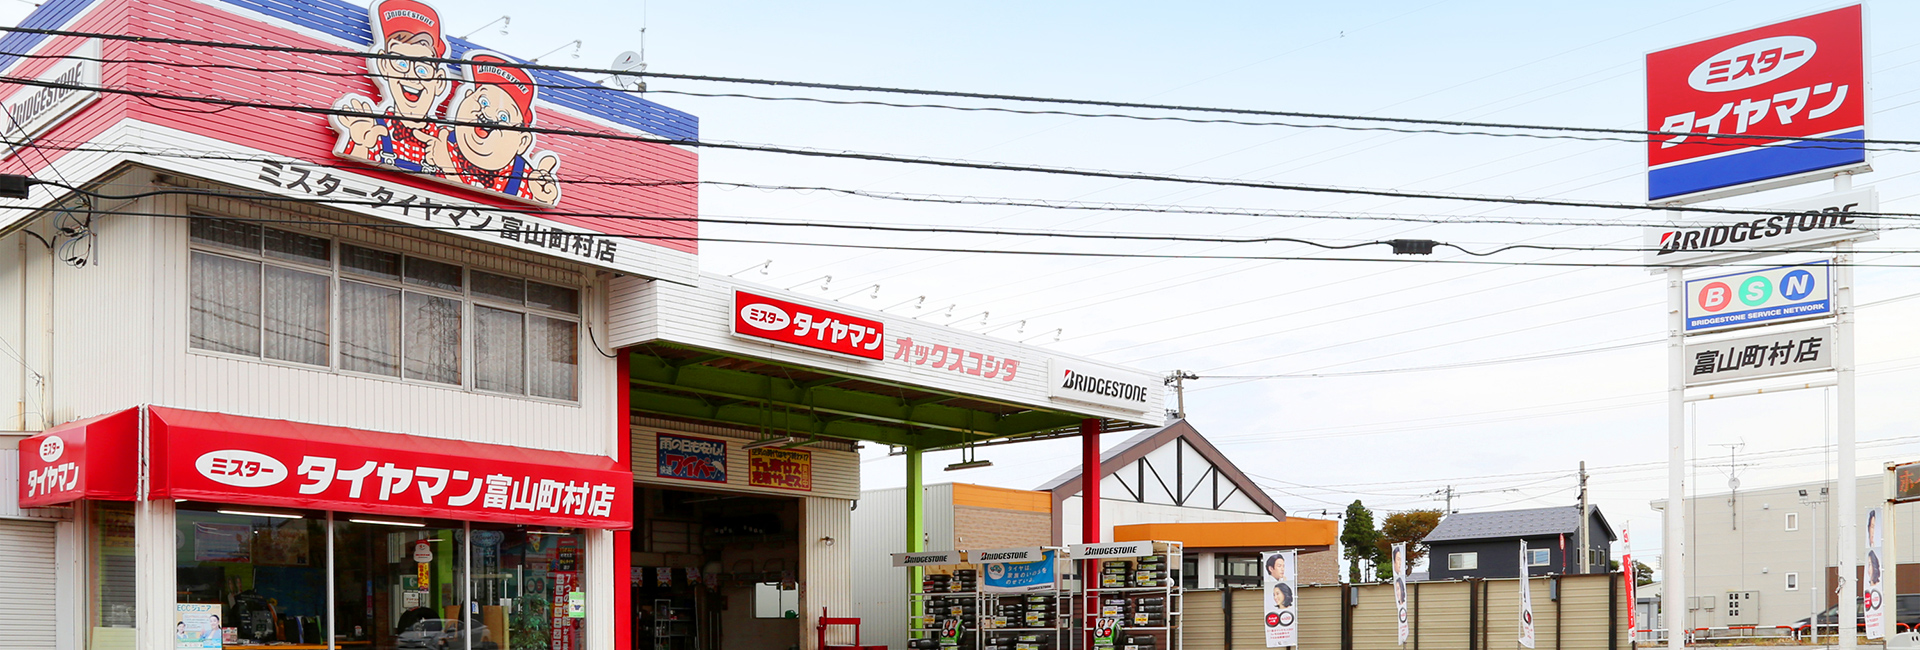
[1397, 436]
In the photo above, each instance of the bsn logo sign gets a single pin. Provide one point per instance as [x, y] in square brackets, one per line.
[1754, 297]
[1756, 290]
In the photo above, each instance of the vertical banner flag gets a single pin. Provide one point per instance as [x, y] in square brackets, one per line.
[1400, 588]
[1526, 600]
[1633, 575]
[1281, 606]
[1872, 599]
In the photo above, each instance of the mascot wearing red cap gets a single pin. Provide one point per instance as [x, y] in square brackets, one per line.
[490, 148]
[412, 87]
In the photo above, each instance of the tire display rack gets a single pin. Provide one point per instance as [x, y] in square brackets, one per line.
[1141, 592]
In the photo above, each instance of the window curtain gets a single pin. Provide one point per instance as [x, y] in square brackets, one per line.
[226, 305]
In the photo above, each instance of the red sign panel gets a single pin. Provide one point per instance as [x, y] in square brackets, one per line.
[215, 457]
[773, 319]
[1799, 78]
[55, 467]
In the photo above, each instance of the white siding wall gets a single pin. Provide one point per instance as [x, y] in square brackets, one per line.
[121, 328]
[880, 530]
[1741, 543]
[826, 567]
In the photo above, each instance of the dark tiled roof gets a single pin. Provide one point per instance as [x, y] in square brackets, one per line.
[1512, 523]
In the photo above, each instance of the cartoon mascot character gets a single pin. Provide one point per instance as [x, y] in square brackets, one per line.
[489, 147]
[412, 87]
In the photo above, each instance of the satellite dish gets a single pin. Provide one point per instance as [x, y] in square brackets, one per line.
[628, 60]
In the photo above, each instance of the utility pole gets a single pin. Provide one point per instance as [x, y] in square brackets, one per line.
[1178, 381]
[1447, 494]
[1586, 552]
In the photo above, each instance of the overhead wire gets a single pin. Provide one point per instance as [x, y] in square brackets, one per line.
[152, 40]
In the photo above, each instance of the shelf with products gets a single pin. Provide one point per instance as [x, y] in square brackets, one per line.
[1022, 604]
[1136, 585]
[674, 624]
[944, 613]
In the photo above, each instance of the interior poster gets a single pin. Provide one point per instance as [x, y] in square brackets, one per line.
[1400, 588]
[1872, 587]
[1526, 599]
[1278, 580]
[196, 626]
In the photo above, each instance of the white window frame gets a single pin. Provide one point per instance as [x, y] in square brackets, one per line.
[259, 257]
[1793, 581]
[335, 274]
[1463, 561]
[1540, 553]
[1793, 521]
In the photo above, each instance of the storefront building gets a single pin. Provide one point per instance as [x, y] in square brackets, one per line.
[309, 355]
[292, 363]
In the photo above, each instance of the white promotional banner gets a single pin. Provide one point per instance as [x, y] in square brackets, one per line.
[1872, 598]
[1400, 588]
[1526, 600]
[1282, 607]
[1626, 562]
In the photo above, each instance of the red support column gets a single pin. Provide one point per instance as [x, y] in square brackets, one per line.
[623, 539]
[1090, 477]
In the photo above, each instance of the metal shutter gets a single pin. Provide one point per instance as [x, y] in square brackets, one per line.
[27, 570]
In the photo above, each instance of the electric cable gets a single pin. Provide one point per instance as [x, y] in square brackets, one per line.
[892, 158]
[150, 40]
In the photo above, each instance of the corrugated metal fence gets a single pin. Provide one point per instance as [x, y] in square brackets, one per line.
[1581, 612]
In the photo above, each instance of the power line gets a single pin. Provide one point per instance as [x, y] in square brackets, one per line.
[945, 93]
[1652, 136]
[892, 158]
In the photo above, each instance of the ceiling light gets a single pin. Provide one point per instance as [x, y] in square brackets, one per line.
[767, 442]
[277, 514]
[410, 523]
[970, 464]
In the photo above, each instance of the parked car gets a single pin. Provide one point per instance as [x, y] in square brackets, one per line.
[1906, 612]
[440, 634]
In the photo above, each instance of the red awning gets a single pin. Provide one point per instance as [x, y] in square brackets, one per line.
[254, 461]
[85, 459]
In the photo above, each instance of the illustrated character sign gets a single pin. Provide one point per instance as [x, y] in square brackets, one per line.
[488, 149]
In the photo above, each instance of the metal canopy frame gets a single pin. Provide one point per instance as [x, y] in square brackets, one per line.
[714, 387]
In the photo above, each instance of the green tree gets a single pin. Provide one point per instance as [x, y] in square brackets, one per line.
[1404, 528]
[1360, 539]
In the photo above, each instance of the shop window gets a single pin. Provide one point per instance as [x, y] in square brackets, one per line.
[772, 600]
[1190, 572]
[249, 575]
[110, 575]
[521, 580]
[267, 293]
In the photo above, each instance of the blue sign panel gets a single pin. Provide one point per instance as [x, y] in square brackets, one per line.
[1016, 577]
[693, 459]
[1755, 165]
[1748, 298]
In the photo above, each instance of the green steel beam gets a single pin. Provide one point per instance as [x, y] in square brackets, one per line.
[916, 527]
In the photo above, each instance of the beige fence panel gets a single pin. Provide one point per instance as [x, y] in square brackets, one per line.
[1439, 615]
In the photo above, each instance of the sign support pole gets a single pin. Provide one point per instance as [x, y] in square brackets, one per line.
[1673, 553]
[1847, 506]
[1889, 524]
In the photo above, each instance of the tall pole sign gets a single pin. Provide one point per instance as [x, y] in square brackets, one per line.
[1763, 108]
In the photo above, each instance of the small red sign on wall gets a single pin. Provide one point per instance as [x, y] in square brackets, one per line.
[773, 319]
